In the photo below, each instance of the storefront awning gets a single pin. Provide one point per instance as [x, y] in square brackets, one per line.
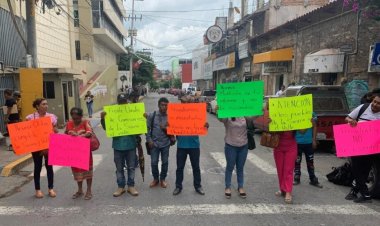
[324, 61]
[274, 56]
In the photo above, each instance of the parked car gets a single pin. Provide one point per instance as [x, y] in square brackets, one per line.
[206, 96]
[330, 105]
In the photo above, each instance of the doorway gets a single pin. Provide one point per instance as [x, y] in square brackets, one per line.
[65, 101]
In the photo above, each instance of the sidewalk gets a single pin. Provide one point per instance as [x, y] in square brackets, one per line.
[10, 165]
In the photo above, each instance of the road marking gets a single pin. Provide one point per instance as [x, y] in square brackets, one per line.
[97, 159]
[219, 158]
[200, 209]
[189, 168]
[261, 164]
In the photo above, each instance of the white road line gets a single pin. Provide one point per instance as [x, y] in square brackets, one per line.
[200, 209]
[243, 209]
[97, 159]
[261, 164]
[219, 158]
[189, 168]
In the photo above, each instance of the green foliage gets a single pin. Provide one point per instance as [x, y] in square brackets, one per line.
[177, 83]
[165, 84]
[144, 74]
[153, 84]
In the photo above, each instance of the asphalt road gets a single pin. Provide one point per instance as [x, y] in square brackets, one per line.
[157, 206]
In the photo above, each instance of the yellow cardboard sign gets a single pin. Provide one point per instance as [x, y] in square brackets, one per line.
[290, 113]
[125, 119]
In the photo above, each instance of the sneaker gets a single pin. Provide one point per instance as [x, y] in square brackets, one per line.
[315, 183]
[133, 191]
[200, 191]
[352, 195]
[363, 199]
[177, 191]
[119, 192]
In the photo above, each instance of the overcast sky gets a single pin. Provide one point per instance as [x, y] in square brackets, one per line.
[168, 31]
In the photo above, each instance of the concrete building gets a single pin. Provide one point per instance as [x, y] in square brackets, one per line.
[78, 47]
[200, 76]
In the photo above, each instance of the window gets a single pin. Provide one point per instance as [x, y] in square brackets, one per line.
[49, 92]
[76, 13]
[70, 88]
[77, 50]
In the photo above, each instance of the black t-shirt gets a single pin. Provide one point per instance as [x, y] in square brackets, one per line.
[12, 117]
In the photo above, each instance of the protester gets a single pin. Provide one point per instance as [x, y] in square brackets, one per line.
[89, 98]
[41, 106]
[281, 91]
[17, 97]
[79, 127]
[367, 98]
[159, 141]
[10, 115]
[361, 165]
[124, 152]
[236, 151]
[188, 146]
[306, 141]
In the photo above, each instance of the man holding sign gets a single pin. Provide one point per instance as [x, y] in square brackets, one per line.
[361, 165]
[188, 143]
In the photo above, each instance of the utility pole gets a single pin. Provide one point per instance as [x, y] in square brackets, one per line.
[31, 30]
[132, 33]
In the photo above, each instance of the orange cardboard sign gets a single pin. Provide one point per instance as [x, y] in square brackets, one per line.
[30, 136]
[187, 119]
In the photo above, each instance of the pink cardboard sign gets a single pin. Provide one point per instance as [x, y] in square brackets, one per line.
[65, 150]
[363, 139]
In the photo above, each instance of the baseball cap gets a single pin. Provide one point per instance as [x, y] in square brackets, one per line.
[122, 98]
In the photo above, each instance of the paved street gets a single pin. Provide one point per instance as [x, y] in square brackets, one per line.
[157, 206]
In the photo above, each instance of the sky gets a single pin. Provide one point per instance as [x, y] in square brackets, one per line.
[170, 32]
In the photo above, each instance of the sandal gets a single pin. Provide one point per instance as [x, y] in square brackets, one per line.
[88, 196]
[242, 193]
[39, 194]
[77, 195]
[288, 200]
[227, 194]
[279, 193]
[52, 193]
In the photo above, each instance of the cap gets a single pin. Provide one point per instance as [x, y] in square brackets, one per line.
[122, 98]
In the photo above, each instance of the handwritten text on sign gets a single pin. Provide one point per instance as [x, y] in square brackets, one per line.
[30, 136]
[240, 99]
[66, 150]
[363, 139]
[125, 119]
[187, 119]
[290, 113]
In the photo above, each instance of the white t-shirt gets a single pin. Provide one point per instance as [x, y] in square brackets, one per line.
[368, 114]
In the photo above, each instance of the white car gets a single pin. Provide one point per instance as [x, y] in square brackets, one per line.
[211, 106]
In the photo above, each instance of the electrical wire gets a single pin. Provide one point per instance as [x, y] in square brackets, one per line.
[176, 18]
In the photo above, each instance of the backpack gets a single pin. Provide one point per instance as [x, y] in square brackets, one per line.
[362, 110]
[341, 175]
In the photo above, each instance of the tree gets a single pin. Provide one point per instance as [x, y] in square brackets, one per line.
[177, 83]
[144, 73]
[164, 84]
[368, 8]
[153, 84]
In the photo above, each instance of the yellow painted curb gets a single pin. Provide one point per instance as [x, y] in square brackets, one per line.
[15, 165]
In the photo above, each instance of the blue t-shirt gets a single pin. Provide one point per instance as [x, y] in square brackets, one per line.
[188, 142]
[307, 137]
[124, 143]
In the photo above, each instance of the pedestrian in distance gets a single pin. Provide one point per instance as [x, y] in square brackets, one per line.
[188, 146]
[124, 153]
[79, 127]
[236, 151]
[89, 98]
[159, 142]
[361, 165]
[306, 143]
[41, 106]
[281, 91]
[11, 114]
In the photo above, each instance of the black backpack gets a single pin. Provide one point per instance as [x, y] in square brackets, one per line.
[341, 175]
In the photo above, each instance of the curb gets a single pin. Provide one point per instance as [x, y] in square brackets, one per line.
[16, 165]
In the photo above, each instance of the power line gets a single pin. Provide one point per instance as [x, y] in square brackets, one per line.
[179, 11]
[176, 18]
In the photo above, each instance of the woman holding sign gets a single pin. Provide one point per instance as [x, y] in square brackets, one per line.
[41, 106]
[79, 127]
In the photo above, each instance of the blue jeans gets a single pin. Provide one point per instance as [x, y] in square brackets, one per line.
[194, 154]
[155, 154]
[89, 109]
[120, 158]
[235, 156]
[309, 155]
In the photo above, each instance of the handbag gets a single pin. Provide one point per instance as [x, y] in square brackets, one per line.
[148, 149]
[270, 140]
[250, 136]
[94, 141]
